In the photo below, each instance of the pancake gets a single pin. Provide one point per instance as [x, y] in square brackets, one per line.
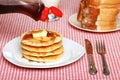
[51, 38]
[41, 45]
[108, 14]
[42, 48]
[110, 27]
[43, 54]
[43, 59]
[98, 15]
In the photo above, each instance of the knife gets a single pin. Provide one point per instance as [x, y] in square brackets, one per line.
[89, 50]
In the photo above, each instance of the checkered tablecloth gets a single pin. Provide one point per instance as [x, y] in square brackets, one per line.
[14, 24]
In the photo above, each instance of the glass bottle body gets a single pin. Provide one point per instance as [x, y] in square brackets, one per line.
[32, 10]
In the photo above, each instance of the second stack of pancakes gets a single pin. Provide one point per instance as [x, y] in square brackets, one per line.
[42, 45]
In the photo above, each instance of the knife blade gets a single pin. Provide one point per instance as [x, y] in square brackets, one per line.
[89, 50]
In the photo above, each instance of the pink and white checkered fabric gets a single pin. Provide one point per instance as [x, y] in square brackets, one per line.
[14, 24]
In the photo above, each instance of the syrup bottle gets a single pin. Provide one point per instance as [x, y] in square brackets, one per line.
[32, 10]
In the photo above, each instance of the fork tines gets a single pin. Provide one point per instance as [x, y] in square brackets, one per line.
[100, 46]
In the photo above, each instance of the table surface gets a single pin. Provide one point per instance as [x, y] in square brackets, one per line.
[14, 24]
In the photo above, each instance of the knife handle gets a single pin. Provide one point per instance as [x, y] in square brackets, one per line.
[92, 68]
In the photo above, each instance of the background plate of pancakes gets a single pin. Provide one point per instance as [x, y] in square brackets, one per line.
[72, 52]
[73, 21]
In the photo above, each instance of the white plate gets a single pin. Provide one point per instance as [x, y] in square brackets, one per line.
[73, 21]
[72, 52]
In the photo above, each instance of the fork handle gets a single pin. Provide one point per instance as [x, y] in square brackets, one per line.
[105, 66]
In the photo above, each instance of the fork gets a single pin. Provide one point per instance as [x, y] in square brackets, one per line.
[100, 47]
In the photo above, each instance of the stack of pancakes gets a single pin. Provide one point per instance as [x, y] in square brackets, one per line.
[99, 14]
[41, 45]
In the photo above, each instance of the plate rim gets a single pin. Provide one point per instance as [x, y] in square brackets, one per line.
[88, 30]
[18, 63]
